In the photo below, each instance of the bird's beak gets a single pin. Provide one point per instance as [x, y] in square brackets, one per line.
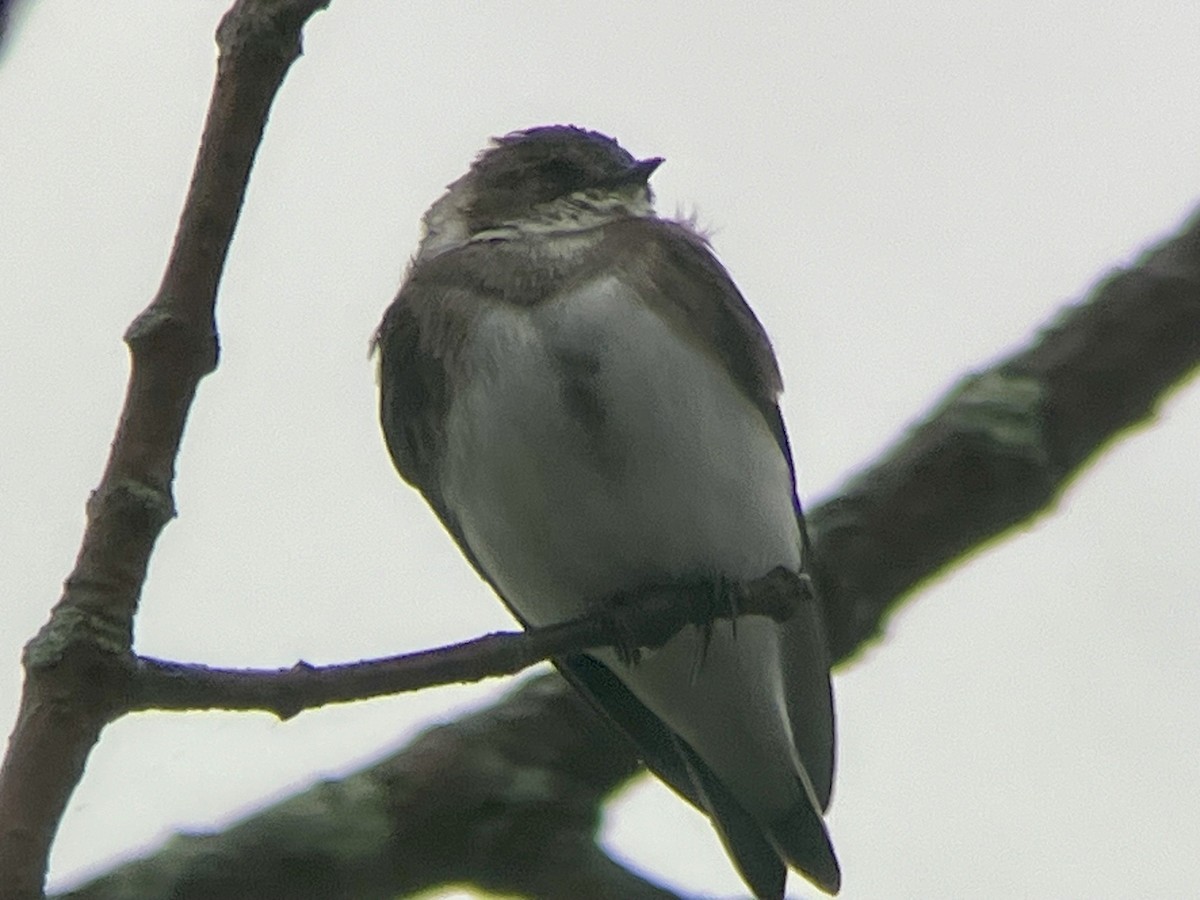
[640, 171]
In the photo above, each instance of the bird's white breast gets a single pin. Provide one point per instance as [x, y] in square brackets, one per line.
[673, 472]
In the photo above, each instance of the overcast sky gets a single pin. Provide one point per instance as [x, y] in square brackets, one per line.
[903, 192]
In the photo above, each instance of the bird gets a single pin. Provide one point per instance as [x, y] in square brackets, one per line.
[588, 404]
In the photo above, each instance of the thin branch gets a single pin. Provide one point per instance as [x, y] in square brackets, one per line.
[77, 665]
[646, 619]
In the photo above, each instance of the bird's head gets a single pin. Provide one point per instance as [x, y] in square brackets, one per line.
[553, 177]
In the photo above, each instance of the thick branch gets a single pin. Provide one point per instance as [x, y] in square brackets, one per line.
[77, 664]
[1003, 443]
[646, 619]
[996, 451]
[491, 791]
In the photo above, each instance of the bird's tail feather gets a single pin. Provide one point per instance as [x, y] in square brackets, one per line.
[755, 856]
[802, 839]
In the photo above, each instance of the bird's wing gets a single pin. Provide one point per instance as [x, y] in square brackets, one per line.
[420, 335]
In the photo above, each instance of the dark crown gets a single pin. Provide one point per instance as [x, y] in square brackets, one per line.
[525, 169]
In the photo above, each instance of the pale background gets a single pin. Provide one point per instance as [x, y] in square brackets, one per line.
[903, 192]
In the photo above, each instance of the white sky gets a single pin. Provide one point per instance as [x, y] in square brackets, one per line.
[902, 193]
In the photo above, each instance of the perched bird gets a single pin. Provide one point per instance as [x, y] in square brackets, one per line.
[589, 406]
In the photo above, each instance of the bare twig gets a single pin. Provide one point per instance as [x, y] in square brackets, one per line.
[646, 619]
[78, 664]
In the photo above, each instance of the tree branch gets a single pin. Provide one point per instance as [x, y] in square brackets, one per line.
[997, 450]
[77, 665]
[645, 619]
[1003, 443]
[530, 816]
